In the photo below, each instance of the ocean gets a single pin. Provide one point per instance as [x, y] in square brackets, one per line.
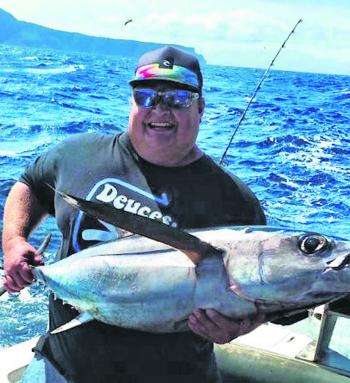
[293, 148]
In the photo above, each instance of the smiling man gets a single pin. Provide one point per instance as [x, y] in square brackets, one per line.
[154, 169]
[167, 107]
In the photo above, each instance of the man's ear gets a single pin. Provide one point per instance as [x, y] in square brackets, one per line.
[201, 105]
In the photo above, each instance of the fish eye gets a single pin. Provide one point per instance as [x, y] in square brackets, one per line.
[312, 243]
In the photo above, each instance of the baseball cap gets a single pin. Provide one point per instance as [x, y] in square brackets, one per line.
[169, 64]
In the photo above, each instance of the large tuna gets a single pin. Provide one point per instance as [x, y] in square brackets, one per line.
[154, 283]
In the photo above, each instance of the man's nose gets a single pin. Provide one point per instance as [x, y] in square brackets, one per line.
[161, 105]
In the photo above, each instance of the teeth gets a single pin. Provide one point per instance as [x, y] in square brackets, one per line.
[160, 124]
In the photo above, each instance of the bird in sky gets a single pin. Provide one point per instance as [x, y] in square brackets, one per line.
[127, 22]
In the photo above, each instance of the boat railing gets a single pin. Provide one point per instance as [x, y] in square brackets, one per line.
[320, 351]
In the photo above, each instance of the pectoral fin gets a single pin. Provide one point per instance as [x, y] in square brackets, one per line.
[77, 321]
[192, 246]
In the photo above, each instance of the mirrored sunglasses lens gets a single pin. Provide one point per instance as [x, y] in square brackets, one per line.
[178, 98]
[145, 97]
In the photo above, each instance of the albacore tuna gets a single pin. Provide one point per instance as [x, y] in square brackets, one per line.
[154, 283]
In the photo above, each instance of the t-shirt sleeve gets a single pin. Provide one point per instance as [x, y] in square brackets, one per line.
[48, 170]
[251, 211]
[254, 210]
[40, 177]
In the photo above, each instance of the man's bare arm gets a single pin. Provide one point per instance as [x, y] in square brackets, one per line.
[22, 214]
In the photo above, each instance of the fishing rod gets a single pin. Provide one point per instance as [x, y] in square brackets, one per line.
[256, 91]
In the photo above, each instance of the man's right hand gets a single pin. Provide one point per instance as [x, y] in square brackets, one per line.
[19, 259]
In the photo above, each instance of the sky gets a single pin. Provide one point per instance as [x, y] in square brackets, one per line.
[245, 33]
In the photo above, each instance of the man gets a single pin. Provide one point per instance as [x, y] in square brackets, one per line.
[155, 169]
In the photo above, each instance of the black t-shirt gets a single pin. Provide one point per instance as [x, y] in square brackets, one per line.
[106, 168]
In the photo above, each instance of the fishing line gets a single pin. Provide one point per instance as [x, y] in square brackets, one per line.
[256, 91]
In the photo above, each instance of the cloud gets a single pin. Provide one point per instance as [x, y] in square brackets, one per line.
[220, 29]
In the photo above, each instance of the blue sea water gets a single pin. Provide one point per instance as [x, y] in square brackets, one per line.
[293, 149]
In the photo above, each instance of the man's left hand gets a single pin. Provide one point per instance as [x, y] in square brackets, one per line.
[216, 327]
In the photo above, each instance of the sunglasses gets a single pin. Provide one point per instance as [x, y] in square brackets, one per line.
[177, 99]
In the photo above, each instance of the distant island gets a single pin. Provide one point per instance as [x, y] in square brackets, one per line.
[15, 32]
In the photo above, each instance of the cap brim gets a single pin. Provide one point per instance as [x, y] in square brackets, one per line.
[135, 83]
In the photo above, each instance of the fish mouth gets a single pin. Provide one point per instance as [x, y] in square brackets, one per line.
[339, 263]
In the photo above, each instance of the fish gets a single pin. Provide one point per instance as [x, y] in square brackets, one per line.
[154, 279]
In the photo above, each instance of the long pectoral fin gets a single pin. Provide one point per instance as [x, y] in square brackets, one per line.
[77, 321]
[192, 246]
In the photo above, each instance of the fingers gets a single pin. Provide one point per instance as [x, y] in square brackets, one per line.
[218, 328]
[25, 274]
[200, 319]
[36, 259]
[18, 264]
[11, 285]
[31, 256]
[218, 319]
[211, 325]
[246, 325]
[199, 324]
[19, 278]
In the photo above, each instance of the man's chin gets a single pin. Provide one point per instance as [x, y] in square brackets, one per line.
[159, 131]
[159, 139]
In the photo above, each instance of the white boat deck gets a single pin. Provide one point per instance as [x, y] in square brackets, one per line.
[275, 338]
[270, 337]
[13, 359]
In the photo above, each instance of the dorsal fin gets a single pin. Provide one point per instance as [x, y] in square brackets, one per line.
[193, 247]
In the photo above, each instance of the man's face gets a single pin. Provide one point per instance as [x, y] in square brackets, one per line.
[164, 135]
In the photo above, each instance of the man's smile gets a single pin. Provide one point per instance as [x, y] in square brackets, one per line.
[160, 125]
